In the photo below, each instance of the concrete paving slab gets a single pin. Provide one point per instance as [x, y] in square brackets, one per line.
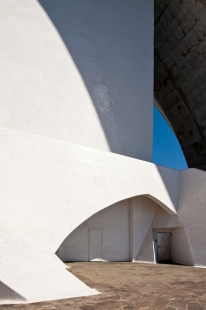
[128, 286]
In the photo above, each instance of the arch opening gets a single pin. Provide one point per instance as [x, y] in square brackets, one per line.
[115, 233]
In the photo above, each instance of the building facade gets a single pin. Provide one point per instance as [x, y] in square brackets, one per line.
[77, 180]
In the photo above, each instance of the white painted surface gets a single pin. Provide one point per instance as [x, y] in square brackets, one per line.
[141, 215]
[95, 244]
[114, 224]
[191, 216]
[65, 184]
[66, 101]
[29, 275]
[147, 250]
[181, 253]
[44, 100]
[192, 211]
[79, 73]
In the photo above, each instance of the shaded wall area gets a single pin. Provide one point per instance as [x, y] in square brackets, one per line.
[188, 225]
[129, 231]
[66, 184]
[180, 73]
[115, 59]
[113, 234]
[113, 245]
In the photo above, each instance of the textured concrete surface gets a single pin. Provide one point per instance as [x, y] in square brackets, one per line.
[79, 73]
[115, 60]
[123, 226]
[180, 72]
[113, 225]
[190, 215]
[77, 87]
[133, 286]
[28, 274]
[49, 187]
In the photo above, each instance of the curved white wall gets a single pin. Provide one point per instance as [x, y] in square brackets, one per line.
[49, 187]
[76, 89]
[124, 226]
[83, 73]
[31, 275]
[115, 234]
[190, 217]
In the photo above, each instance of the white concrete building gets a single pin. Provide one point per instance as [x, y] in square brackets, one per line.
[76, 126]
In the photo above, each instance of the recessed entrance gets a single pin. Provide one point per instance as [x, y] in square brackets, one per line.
[164, 247]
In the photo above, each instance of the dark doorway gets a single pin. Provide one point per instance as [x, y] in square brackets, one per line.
[164, 247]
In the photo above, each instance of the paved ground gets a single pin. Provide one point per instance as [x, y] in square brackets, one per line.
[133, 286]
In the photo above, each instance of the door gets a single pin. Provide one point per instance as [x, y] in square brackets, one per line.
[164, 247]
[95, 244]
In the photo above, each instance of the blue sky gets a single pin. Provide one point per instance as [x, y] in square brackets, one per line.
[166, 148]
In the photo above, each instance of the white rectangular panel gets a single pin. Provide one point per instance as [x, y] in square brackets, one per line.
[95, 244]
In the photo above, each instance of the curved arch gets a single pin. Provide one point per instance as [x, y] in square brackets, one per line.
[63, 176]
[160, 203]
[81, 182]
[175, 82]
[150, 197]
[120, 230]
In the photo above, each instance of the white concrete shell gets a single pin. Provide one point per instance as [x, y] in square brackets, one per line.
[76, 140]
[88, 81]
